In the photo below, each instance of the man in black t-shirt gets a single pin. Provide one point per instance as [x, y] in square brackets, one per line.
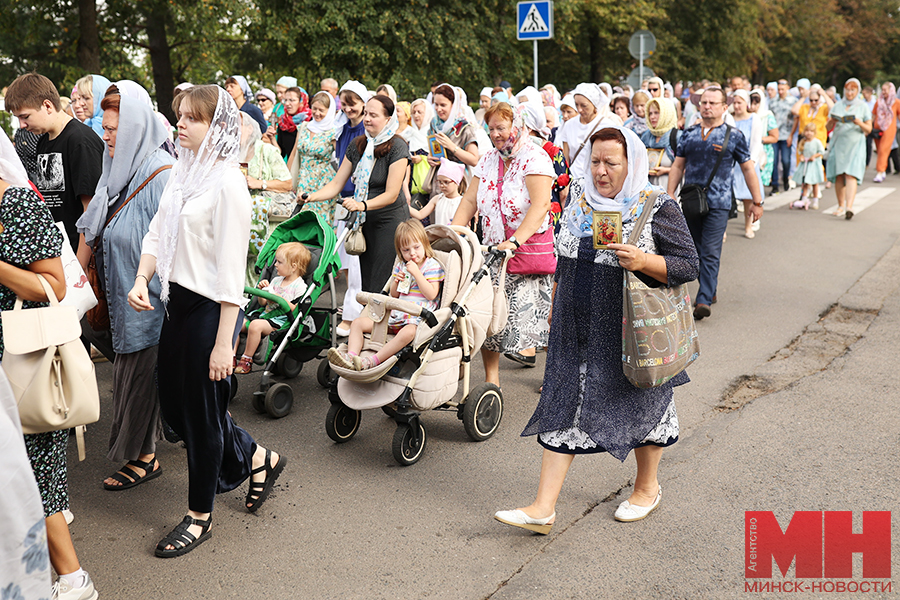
[69, 157]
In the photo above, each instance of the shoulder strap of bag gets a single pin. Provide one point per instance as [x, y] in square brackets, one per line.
[712, 175]
[646, 209]
[135, 192]
[577, 152]
[673, 140]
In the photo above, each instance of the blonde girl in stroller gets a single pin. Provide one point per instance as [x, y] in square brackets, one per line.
[416, 277]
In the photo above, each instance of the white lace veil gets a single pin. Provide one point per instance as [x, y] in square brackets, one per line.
[196, 173]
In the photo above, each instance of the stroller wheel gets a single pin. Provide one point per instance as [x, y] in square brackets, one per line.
[324, 375]
[259, 402]
[288, 366]
[482, 411]
[406, 447]
[342, 423]
[279, 400]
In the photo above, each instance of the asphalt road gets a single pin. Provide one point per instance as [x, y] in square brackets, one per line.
[819, 432]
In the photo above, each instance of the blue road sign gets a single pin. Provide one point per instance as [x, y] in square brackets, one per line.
[535, 20]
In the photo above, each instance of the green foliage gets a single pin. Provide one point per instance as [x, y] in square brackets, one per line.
[379, 41]
[470, 44]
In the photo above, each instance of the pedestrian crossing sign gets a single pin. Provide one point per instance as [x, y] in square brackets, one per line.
[535, 20]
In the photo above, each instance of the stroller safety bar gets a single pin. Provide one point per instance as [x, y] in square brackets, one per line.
[389, 303]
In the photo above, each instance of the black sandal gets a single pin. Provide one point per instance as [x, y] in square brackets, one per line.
[181, 540]
[129, 477]
[261, 489]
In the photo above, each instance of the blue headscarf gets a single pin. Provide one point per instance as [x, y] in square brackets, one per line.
[99, 85]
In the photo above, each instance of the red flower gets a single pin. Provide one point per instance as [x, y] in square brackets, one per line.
[563, 180]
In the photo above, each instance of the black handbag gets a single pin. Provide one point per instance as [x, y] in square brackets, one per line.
[693, 198]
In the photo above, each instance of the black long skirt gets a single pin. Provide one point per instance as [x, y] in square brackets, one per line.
[218, 451]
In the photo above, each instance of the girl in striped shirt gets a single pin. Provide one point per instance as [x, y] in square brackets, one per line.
[416, 278]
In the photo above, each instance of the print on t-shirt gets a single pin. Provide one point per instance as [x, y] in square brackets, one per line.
[50, 176]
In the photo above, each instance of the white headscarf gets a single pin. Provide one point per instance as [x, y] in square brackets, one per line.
[626, 201]
[534, 117]
[287, 81]
[327, 122]
[531, 94]
[138, 136]
[196, 173]
[250, 134]
[486, 92]
[360, 90]
[133, 89]
[419, 138]
[456, 114]
[606, 89]
[11, 169]
[391, 93]
[363, 170]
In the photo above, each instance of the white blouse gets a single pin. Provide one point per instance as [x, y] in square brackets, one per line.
[515, 201]
[213, 235]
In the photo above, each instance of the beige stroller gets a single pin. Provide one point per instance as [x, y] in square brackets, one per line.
[425, 375]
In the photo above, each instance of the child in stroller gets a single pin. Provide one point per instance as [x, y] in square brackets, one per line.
[291, 261]
[417, 277]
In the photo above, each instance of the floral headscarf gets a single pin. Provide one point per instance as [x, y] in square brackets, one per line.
[518, 135]
[456, 117]
[883, 113]
[288, 122]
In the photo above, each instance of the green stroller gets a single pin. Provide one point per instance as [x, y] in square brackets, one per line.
[310, 330]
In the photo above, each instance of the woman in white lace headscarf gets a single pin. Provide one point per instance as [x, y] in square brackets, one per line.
[587, 405]
[197, 245]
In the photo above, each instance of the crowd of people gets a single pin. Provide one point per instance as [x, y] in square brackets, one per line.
[174, 218]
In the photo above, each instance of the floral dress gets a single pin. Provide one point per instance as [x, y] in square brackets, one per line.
[528, 295]
[266, 164]
[29, 235]
[314, 152]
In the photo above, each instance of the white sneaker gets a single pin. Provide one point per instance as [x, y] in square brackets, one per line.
[756, 225]
[63, 590]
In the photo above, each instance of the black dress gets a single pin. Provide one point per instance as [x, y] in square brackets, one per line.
[377, 261]
[587, 404]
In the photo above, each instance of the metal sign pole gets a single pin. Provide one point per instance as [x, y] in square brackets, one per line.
[535, 66]
[642, 62]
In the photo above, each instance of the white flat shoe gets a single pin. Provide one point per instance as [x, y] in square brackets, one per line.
[517, 518]
[628, 512]
[342, 332]
[69, 516]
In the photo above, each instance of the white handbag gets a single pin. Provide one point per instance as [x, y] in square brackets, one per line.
[78, 289]
[49, 369]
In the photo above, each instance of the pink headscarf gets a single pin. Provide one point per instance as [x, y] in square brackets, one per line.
[883, 112]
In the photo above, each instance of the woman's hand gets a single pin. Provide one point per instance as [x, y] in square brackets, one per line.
[221, 362]
[352, 205]
[253, 184]
[434, 162]
[507, 245]
[631, 258]
[139, 296]
[662, 170]
[416, 158]
[446, 142]
[269, 136]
